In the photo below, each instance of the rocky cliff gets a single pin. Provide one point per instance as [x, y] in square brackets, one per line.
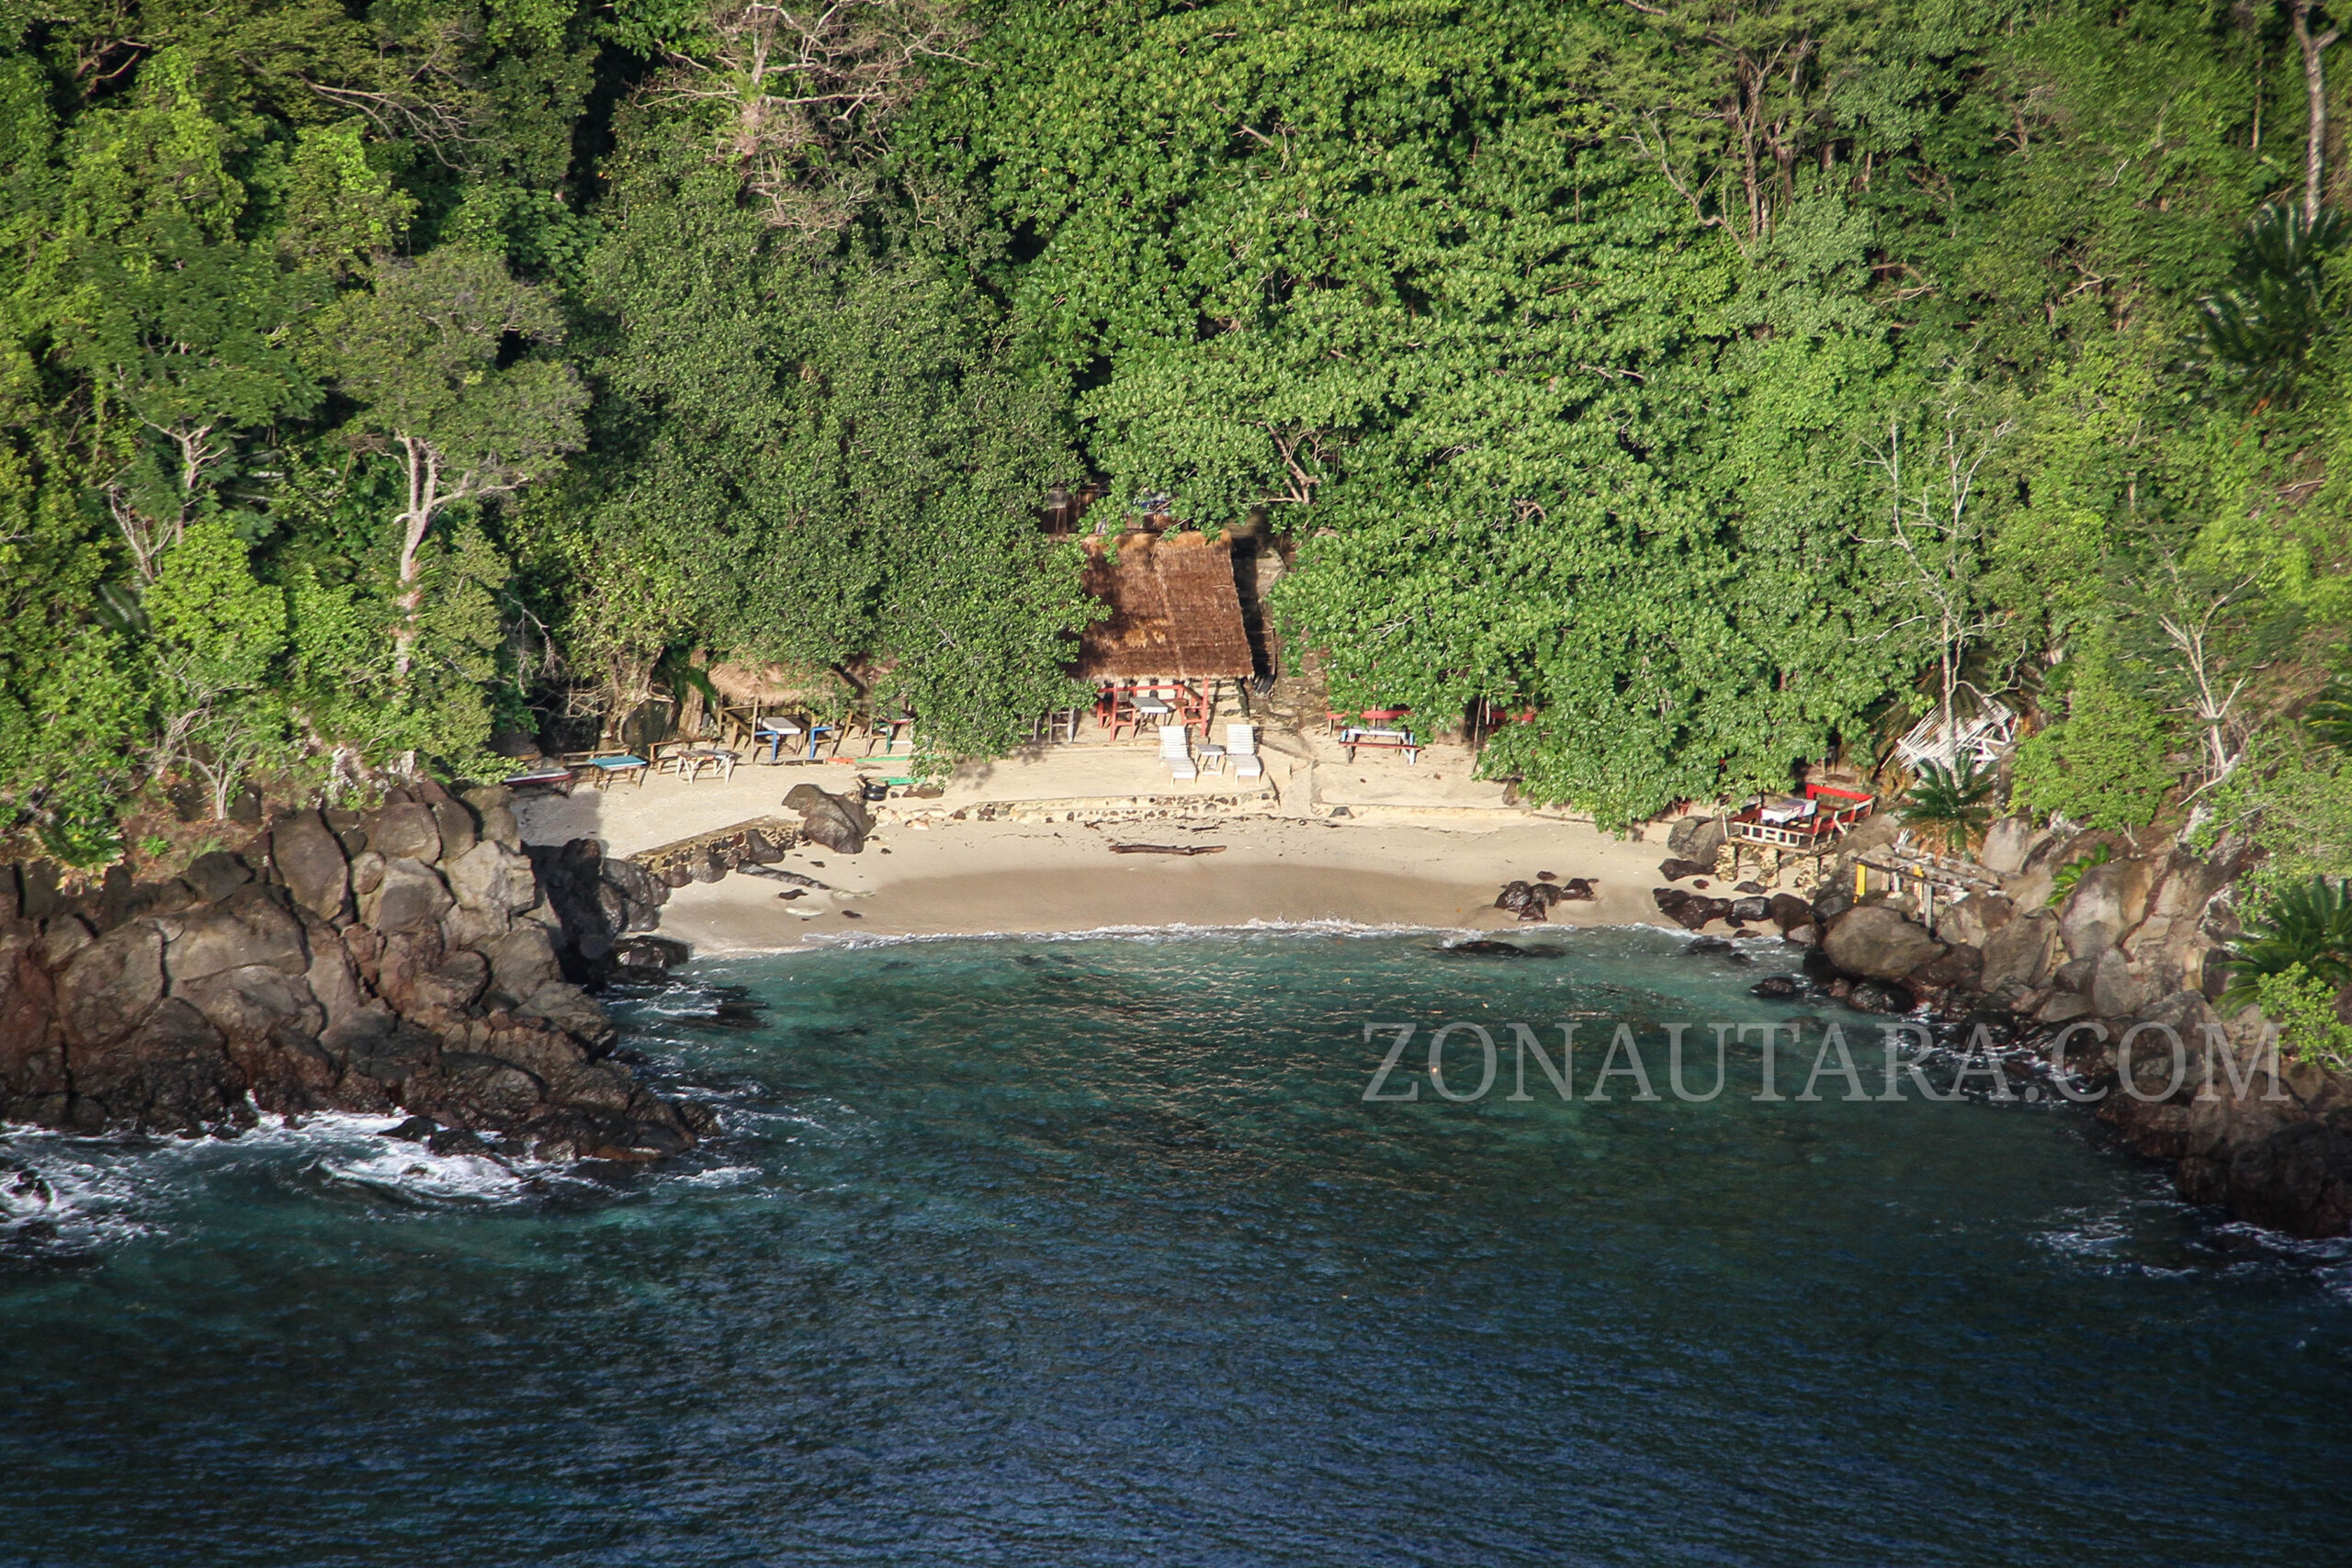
[413, 958]
[2119, 956]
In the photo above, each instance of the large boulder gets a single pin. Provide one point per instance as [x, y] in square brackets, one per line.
[405, 831]
[2007, 844]
[456, 826]
[245, 1005]
[2109, 901]
[412, 897]
[490, 876]
[1695, 839]
[2114, 990]
[494, 810]
[451, 986]
[248, 927]
[215, 874]
[524, 959]
[1879, 943]
[2016, 956]
[836, 821]
[642, 893]
[310, 859]
[110, 985]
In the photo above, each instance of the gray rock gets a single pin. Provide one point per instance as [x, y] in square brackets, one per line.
[2062, 1008]
[247, 927]
[110, 985]
[643, 890]
[836, 822]
[62, 936]
[245, 1004]
[334, 983]
[500, 1087]
[310, 859]
[216, 874]
[2115, 991]
[451, 986]
[2109, 901]
[456, 825]
[1696, 838]
[492, 876]
[2007, 844]
[571, 1009]
[377, 1046]
[412, 897]
[1879, 996]
[524, 960]
[2017, 955]
[366, 872]
[405, 831]
[1877, 942]
[494, 810]
[2074, 976]
[650, 953]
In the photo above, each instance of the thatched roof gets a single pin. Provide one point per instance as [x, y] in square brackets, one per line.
[738, 680]
[1174, 609]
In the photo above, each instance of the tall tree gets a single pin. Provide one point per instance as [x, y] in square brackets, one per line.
[448, 359]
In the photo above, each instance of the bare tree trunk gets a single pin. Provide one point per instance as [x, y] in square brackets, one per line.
[2315, 83]
[423, 477]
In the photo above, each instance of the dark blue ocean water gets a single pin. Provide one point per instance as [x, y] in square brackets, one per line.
[1090, 1252]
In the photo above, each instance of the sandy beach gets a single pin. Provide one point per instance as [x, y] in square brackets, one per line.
[1374, 843]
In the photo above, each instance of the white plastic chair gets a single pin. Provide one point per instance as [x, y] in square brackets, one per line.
[1241, 745]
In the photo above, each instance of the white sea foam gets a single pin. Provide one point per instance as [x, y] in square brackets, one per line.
[84, 1193]
[1172, 931]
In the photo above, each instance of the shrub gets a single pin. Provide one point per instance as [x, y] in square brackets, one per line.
[2305, 929]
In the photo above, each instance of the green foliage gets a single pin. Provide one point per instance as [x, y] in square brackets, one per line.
[2104, 765]
[2303, 1007]
[2329, 717]
[1707, 381]
[2304, 927]
[2260, 327]
[2063, 880]
[1950, 806]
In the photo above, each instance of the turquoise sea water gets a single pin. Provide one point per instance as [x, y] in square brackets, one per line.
[1090, 1252]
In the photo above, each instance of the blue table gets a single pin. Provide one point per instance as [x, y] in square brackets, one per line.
[776, 734]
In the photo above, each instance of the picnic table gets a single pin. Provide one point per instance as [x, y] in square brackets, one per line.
[777, 731]
[691, 761]
[1391, 740]
[1336, 720]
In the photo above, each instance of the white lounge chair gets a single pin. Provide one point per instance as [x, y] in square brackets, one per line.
[1241, 745]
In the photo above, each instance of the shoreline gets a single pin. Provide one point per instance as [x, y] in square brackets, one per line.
[980, 879]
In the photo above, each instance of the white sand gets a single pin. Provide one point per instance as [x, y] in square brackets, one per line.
[1423, 846]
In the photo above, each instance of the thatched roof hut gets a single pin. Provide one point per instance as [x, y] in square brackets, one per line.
[1174, 609]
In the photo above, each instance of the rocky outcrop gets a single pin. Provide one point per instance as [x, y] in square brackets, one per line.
[1874, 941]
[2122, 955]
[413, 958]
[839, 822]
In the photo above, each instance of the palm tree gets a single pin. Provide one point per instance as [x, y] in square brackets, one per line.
[1950, 804]
[2329, 718]
[2261, 324]
[2308, 924]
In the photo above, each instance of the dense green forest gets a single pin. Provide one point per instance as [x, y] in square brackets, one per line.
[1713, 384]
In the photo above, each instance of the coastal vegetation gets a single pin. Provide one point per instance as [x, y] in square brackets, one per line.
[1706, 386]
